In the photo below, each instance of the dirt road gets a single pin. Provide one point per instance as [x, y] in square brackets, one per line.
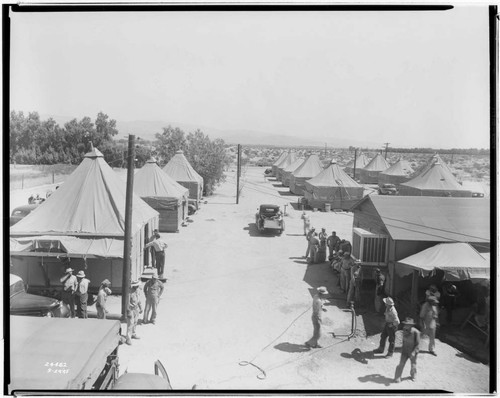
[234, 296]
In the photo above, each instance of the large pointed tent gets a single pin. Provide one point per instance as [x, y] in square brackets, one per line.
[163, 194]
[310, 168]
[361, 162]
[434, 181]
[369, 173]
[287, 171]
[289, 159]
[181, 171]
[334, 187]
[278, 161]
[396, 174]
[84, 221]
[427, 165]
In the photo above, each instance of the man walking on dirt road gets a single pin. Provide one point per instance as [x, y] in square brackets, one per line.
[390, 327]
[409, 350]
[153, 290]
[133, 311]
[317, 309]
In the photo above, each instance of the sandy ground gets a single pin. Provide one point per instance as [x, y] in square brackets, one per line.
[234, 296]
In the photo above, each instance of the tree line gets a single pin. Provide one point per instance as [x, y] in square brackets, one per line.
[36, 141]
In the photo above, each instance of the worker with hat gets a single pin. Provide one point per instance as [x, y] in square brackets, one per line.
[133, 311]
[409, 350]
[317, 309]
[309, 235]
[70, 284]
[390, 328]
[102, 297]
[429, 316]
[82, 295]
[153, 290]
[159, 246]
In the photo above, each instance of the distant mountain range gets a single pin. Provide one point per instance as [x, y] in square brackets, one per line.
[146, 129]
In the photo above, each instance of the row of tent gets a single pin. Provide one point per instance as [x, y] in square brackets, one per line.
[333, 186]
[84, 220]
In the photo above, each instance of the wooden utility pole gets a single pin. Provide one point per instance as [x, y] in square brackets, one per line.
[386, 147]
[355, 155]
[127, 243]
[238, 166]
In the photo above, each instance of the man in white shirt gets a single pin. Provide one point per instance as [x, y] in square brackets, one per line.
[82, 295]
[159, 246]
[70, 284]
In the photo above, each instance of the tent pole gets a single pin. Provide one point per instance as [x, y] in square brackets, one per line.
[127, 244]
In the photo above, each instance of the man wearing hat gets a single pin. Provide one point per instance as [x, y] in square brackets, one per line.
[379, 290]
[159, 246]
[345, 271]
[153, 290]
[429, 315]
[317, 309]
[70, 285]
[102, 297]
[390, 327]
[133, 311]
[309, 235]
[82, 295]
[409, 350]
[354, 293]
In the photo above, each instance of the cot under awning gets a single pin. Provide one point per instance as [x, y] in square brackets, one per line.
[72, 246]
[458, 261]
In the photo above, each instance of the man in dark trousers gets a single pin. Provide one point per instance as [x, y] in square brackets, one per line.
[409, 350]
[390, 328]
[332, 242]
[159, 246]
[70, 285]
[153, 290]
[82, 295]
[317, 309]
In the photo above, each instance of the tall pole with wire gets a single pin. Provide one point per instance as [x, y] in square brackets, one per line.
[355, 156]
[127, 244]
[386, 147]
[238, 166]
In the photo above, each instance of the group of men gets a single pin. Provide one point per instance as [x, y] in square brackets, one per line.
[411, 335]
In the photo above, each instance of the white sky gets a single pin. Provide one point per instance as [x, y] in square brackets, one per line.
[408, 78]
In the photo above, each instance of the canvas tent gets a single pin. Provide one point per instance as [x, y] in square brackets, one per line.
[287, 171]
[361, 162]
[83, 221]
[287, 161]
[278, 161]
[181, 171]
[163, 194]
[332, 187]
[427, 165]
[436, 180]
[369, 173]
[310, 168]
[396, 174]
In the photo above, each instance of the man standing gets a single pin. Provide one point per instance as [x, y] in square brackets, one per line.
[317, 309]
[70, 284]
[159, 246]
[307, 223]
[429, 315]
[409, 350]
[152, 249]
[379, 290]
[153, 290]
[345, 271]
[308, 238]
[82, 295]
[345, 246]
[332, 243]
[102, 297]
[133, 311]
[354, 293]
[390, 327]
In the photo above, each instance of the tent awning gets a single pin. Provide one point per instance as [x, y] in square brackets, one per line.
[459, 261]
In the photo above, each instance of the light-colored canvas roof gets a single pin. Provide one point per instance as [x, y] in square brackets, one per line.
[289, 159]
[400, 168]
[181, 170]
[294, 165]
[378, 163]
[90, 202]
[361, 161]
[437, 177]
[151, 181]
[433, 159]
[333, 176]
[311, 167]
[280, 158]
[431, 218]
[459, 261]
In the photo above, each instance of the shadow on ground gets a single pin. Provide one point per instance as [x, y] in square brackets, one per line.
[279, 185]
[291, 347]
[286, 193]
[359, 356]
[376, 378]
